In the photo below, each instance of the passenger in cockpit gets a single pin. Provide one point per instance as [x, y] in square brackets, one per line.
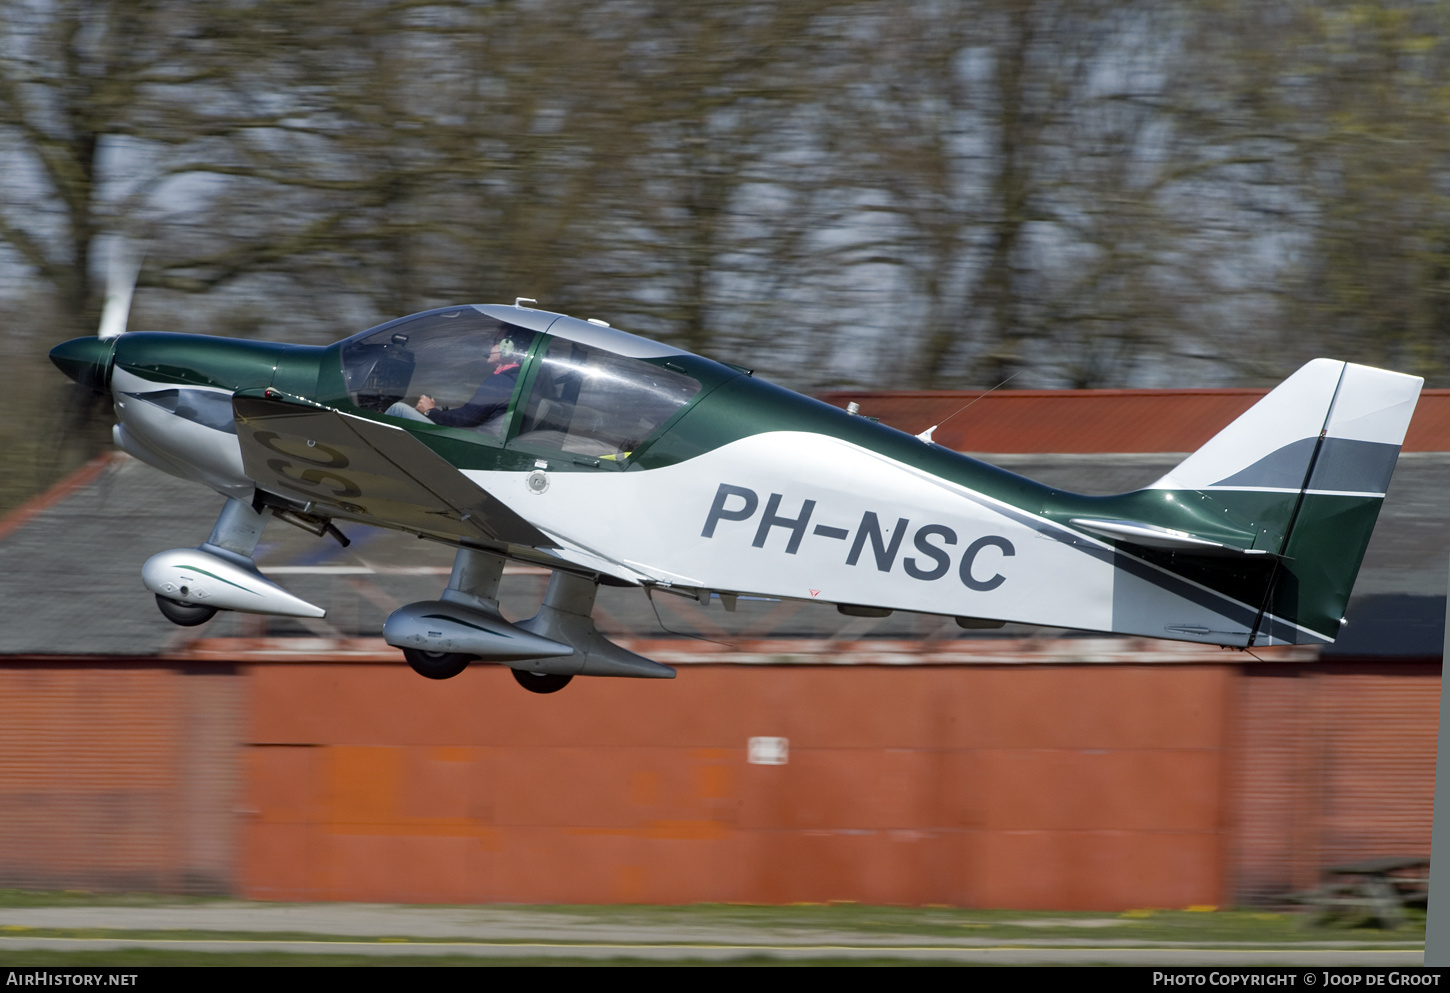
[491, 398]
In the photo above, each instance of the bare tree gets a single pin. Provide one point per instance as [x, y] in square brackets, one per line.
[74, 81]
[1015, 149]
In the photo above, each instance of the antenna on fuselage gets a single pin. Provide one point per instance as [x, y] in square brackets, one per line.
[926, 435]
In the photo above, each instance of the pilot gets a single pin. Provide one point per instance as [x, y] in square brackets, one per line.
[491, 397]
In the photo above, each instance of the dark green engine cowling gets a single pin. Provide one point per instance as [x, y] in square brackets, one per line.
[190, 360]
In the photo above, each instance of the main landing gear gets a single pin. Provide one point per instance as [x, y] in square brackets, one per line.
[541, 682]
[437, 665]
[439, 638]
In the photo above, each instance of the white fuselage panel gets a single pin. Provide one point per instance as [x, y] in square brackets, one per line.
[173, 443]
[811, 517]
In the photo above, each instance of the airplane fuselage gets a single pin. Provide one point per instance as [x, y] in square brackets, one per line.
[621, 457]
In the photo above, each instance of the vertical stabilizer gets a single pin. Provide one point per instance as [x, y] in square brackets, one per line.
[1269, 444]
[1308, 467]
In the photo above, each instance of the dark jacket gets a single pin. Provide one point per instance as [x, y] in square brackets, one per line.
[491, 398]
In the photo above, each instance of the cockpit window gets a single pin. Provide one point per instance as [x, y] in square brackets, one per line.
[587, 401]
[465, 363]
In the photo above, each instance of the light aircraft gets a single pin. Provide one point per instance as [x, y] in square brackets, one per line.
[511, 432]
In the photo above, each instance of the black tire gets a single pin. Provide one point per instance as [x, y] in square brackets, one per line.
[187, 615]
[540, 682]
[437, 665]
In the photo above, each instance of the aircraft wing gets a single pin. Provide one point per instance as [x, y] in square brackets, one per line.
[352, 467]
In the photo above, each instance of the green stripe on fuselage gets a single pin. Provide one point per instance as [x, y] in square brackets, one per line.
[745, 407]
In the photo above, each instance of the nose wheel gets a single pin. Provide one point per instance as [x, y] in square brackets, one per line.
[188, 615]
[541, 682]
[437, 665]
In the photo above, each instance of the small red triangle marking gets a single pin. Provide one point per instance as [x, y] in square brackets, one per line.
[815, 592]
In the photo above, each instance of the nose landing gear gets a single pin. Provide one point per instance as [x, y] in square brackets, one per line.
[187, 615]
[192, 584]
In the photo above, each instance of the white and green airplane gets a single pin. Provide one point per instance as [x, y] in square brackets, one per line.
[515, 433]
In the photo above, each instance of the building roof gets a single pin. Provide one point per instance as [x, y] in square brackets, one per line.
[1084, 421]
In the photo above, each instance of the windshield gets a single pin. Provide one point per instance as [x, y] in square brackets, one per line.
[590, 402]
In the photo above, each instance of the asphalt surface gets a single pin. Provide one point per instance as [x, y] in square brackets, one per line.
[510, 932]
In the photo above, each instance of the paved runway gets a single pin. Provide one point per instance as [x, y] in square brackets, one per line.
[509, 932]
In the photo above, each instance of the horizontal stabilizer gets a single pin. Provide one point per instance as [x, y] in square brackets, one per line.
[1164, 539]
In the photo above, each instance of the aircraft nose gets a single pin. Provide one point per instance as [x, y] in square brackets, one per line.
[86, 360]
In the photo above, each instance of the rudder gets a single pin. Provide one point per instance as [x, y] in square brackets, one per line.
[1309, 464]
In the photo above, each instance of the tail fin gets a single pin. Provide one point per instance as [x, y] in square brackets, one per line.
[1307, 466]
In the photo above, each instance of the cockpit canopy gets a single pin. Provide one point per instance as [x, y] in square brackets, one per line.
[443, 354]
[568, 392]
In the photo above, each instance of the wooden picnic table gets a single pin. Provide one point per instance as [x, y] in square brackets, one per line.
[1376, 890]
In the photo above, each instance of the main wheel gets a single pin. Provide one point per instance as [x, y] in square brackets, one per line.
[437, 665]
[541, 682]
[188, 615]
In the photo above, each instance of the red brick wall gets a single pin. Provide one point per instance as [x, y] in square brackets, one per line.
[119, 776]
[1009, 786]
[1100, 786]
[1335, 764]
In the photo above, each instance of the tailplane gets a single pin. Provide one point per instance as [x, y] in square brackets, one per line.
[1304, 471]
